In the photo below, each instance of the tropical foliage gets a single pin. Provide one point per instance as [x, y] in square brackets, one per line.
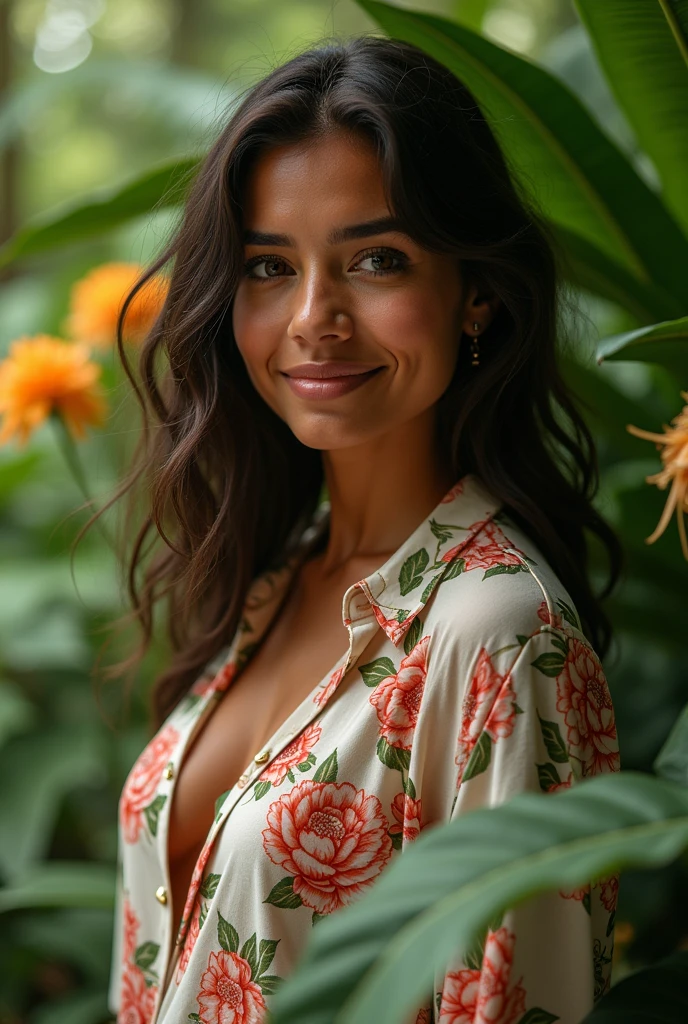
[616, 202]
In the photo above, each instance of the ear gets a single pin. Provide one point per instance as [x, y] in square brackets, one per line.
[479, 308]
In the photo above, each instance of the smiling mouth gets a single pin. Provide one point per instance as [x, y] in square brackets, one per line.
[333, 386]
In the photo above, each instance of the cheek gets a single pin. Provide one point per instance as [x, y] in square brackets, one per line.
[421, 328]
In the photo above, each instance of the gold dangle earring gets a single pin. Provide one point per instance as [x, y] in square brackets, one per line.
[475, 354]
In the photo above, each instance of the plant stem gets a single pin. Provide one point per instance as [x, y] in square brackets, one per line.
[71, 456]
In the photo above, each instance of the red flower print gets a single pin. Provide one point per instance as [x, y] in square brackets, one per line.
[565, 784]
[189, 942]
[483, 996]
[546, 616]
[575, 894]
[217, 683]
[331, 837]
[424, 1017]
[456, 490]
[228, 996]
[131, 927]
[488, 705]
[196, 879]
[322, 696]
[408, 816]
[485, 550]
[296, 753]
[137, 1001]
[392, 627]
[609, 892]
[397, 698]
[143, 780]
[584, 700]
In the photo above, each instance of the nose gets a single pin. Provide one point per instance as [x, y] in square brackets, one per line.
[320, 311]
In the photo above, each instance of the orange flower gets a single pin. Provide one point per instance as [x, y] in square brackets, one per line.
[97, 298]
[43, 375]
[674, 455]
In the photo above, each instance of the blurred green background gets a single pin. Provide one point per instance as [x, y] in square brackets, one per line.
[93, 92]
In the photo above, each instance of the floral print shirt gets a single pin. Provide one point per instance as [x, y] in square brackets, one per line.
[467, 680]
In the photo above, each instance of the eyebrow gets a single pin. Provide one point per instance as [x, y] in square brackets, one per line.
[345, 234]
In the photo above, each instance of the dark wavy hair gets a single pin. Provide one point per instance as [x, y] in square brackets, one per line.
[227, 487]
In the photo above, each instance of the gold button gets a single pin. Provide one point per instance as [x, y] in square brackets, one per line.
[169, 771]
[262, 757]
[161, 895]
[241, 781]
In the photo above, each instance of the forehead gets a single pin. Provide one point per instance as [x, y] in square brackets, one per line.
[334, 177]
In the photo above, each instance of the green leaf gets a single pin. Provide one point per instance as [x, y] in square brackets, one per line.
[409, 788]
[269, 983]
[672, 760]
[194, 1016]
[261, 788]
[375, 671]
[556, 748]
[657, 993]
[429, 588]
[550, 663]
[413, 635]
[107, 208]
[227, 935]
[266, 954]
[152, 812]
[219, 802]
[411, 574]
[549, 137]
[479, 761]
[443, 533]
[456, 567]
[249, 951]
[394, 757]
[665, 343]
[643, 51]
[208, 886]
[538, 1016]
[282, 895]
[61, 884]
[547, 776]
[327, 769]
[304, 766]
[374, 962]
[501, 570]
[397, 840]
[145, 955]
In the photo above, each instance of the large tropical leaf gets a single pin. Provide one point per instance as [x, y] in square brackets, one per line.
[158, 188]
[655, 995]
[584, 183]
[376, 959]
[672, 760]
[642, 46]
[665, 343]
[61, 884]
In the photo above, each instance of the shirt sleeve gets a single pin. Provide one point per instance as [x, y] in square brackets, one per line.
[113, 1000]
[542, 725]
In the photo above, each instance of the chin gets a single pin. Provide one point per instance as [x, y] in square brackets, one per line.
[328, 438]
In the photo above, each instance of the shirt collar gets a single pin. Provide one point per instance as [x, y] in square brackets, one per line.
[399, 589]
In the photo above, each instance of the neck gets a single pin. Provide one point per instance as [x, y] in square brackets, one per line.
[381, 491]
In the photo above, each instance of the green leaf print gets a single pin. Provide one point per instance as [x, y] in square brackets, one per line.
[194, 1016]
[403, 614]
[413, 635]
[538, 1016]
[305, 766]
[550, 663]
[291, 776]
[548, 776]
[610, 922]
[442, 532]
[430, 587]
[409, 788]
[227, 935]
[394, 757]
[282, 895]
[375, 671]
[327, 770]
[317, 917]
[245, 653]
[266, 954]
[560, 643]
[260, 789]
[411, 574]
[152, 813]
[479, 761]
[586, 902]
[568, 613]
[456, 567]
[397, 839]
[268, 983]
[249, 951]
[219, 802]
[145, 954]
[553, 741]
[500, 570]
[522, 638]
[208, 886]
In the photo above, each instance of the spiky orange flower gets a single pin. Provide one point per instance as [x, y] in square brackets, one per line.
[42, 375]
[96, 299]
[674, 455]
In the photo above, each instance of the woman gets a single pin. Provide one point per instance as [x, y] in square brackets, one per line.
[359, 298]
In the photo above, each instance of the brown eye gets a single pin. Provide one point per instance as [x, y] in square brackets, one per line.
[383, 261]
[264, 267]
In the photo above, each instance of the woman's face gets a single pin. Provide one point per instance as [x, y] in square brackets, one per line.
[348, 328]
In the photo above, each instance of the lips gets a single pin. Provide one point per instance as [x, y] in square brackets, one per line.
[328, 371]
[319, 381]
